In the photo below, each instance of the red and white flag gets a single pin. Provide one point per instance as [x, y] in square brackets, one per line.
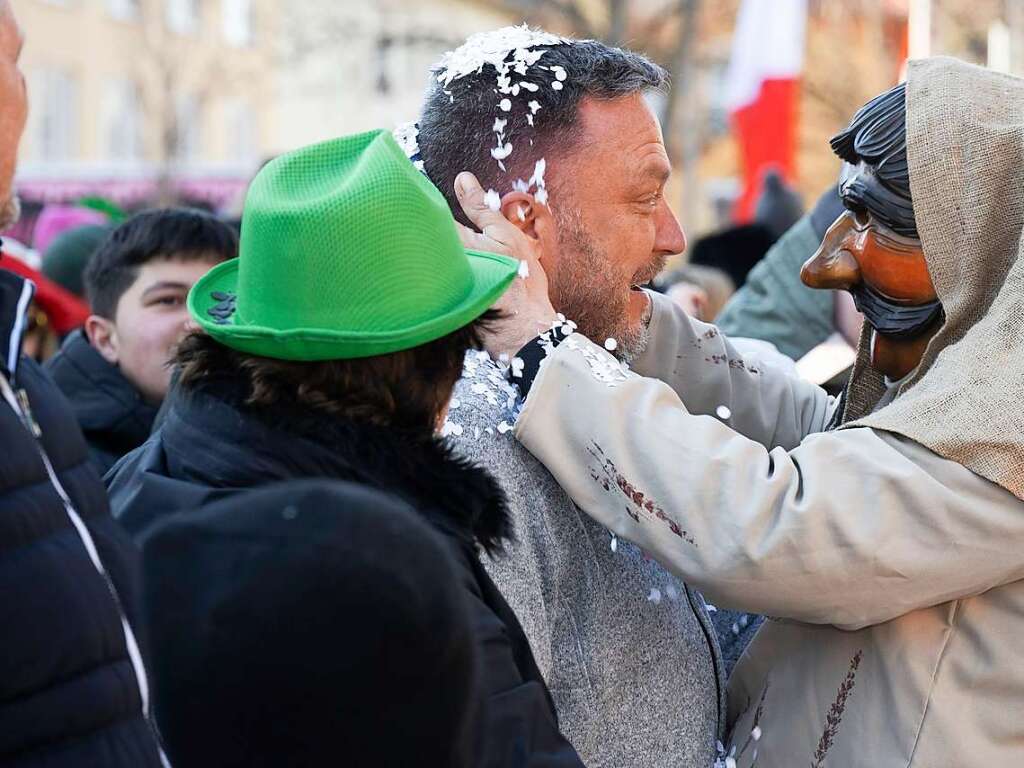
[762, 89]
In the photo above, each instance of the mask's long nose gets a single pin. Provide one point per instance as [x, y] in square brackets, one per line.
[833, 265]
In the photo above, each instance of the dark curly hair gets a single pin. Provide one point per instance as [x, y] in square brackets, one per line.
[405, 390]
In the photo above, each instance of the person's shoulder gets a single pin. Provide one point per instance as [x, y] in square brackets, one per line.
[480, 424]
[482, 408]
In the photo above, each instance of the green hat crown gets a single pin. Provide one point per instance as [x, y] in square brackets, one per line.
[346, 251]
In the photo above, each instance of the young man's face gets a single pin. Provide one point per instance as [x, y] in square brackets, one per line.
[150, 320]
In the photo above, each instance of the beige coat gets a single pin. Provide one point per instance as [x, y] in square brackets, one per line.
[895, 573]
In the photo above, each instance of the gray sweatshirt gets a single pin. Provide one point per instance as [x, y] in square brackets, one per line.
[627, 649]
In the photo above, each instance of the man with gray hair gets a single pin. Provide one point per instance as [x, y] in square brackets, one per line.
[560, 133]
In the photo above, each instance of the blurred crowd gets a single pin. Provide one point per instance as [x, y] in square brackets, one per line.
[407, 466]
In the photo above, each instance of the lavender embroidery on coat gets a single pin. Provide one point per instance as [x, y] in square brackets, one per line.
[835, 712]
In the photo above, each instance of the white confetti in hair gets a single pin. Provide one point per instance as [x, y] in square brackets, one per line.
[492, 199]
[493, 48]
[509, 50]
[407, 136]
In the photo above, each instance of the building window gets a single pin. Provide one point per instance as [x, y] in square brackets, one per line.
[55, 115]
[188, 129]
[236, 17]
[121, 130]
[183, 16]
[124, 10]
[241, 127]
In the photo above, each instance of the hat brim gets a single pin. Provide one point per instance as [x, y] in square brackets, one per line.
[492, 274]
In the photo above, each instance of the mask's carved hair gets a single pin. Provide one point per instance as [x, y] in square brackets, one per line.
[455, 132]
[877, 136]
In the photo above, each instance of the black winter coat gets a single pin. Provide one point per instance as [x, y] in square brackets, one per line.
[111, 412]
[69, 694]
[210, 446]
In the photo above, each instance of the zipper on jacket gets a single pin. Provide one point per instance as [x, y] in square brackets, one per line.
[20, 405]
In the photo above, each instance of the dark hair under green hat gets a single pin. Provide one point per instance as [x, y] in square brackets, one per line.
[346, 251]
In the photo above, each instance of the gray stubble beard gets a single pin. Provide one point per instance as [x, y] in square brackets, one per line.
[581, 292]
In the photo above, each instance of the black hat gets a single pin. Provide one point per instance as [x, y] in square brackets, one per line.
[310, 623]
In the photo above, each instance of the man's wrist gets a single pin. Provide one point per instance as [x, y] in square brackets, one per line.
[526, 363]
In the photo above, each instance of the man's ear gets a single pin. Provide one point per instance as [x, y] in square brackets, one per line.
[521, 208]
[102, 334]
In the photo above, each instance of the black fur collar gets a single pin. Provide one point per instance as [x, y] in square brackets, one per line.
[257, 445]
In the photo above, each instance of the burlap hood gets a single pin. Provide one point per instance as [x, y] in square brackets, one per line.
[965, 147]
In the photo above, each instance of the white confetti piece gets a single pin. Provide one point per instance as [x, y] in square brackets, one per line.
[723, 412]
[559, 71]
[654, 596]
[451, 428]
[504, 427]
[610, 344]
[710, 608]
[505, 105]
[539, 169]
[531, 87]
[756, 733]
[541, 197]
[492, 199]
[615, 543]
[534, 107]
[454, 404]
[499, 125]
[524, 269]
[672, 592]
[517, 367]
[556, 85]
[500, 152]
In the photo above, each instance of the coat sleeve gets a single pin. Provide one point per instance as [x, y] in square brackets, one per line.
[519, 725]
[850, 528]
[697, 361]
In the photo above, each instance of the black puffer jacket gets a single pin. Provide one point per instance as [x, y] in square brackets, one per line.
[210, 446]
[112, 414]
[70, 694]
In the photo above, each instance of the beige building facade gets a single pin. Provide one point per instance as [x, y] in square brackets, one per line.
[124, 91]
[362, 64]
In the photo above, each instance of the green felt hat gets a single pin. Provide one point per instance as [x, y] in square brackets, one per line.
[346, 251]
